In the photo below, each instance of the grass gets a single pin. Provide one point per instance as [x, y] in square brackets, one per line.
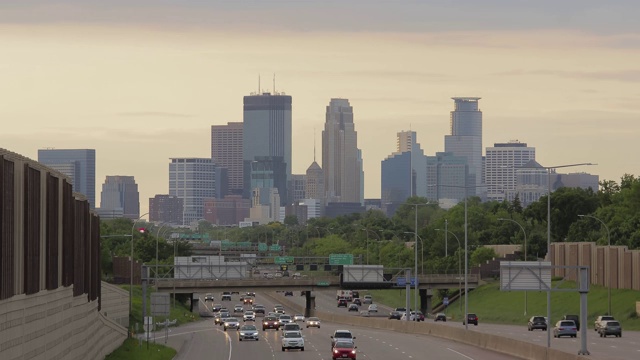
[500, 307]
[131, 350]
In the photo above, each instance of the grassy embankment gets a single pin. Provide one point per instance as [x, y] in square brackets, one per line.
[495, 306]
[131, 350]
[180, 311]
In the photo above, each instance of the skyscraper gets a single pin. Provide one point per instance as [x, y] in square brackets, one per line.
[502, 161]
[267, 133]
[466, 136]
[447, 169]
[77, 164]
[192, 180]
[166, 208]
[120, 193]
[226, 151]
[341, 158]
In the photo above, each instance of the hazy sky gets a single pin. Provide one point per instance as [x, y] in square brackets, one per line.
[143, 81]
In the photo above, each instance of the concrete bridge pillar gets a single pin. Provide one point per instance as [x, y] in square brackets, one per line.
[194, 302]
[425, 300]
[310, 304]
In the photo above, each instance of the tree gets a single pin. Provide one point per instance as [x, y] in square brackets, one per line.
[482, 255]
[291, 220]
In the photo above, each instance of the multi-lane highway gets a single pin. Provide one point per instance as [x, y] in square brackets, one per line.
[624, 348]
[204, 340]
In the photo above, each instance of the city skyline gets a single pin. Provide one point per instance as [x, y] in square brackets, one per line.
[560, 86]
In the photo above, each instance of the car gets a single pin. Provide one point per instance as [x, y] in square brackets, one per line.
[275, 314]
[298, 317]
[216, 307]
[270, 322]
[269, 276]
[226, 296]
[600, 321]
[419, 315]
[575, 318]
[224, 309]
[412, 316]
[277, 306]
[278, 274]
[249, 315]
[288, 293]
[290, 327]
[471, 319]
[238, 308]
[292, 340]
[401, 309]
[353, 307]
[313, 322]
[296, 275]
[341, 335]
[344, 350]
[342, 302]
[284, 319]
[355, 294]
[280, 311]
[285, 273]
[610, 327]
[251, 293]
[357, 301]
[248, 332]
[537, 322]
[231, 323]
[565, 328]
[248, 300]
[373, 308]
[368, 299]
[395, 315]
[221, 317]
[259, 309]
[440, 317]
[208, 297]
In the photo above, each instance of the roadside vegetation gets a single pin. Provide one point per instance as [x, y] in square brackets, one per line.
[131, 349]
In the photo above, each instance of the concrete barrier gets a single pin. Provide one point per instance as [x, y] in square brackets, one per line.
[505, 345]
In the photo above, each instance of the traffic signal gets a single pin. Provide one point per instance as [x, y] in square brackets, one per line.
[143, 231]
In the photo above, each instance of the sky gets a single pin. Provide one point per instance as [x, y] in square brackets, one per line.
[143, 81]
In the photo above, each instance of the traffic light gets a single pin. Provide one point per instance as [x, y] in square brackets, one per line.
[143, 231]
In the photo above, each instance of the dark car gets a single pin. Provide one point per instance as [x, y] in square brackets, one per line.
[355, 294]
[395, 315]
[357, 301]
[259, 309]
[342, 302]
[575, 318]
[537, 322]
[353, 307]
[270, 322]
[471, 319]
[441, 317]
[610, 327]
[288, 293]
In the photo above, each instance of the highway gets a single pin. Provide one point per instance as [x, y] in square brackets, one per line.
[610, 348]
[204, 340]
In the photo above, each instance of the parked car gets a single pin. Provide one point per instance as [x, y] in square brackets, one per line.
[600, 321]
[575, 318]
[537, 322]
[292, 340]
[248, 332]
[610, 327]
[395, 315]
[565, 328]
[344, 350]
[342, 302]
[313, 322]
[471, 319]
[441, 317]
[353, 307]
[373, 308]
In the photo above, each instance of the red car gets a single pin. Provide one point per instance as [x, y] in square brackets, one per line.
[344, 350]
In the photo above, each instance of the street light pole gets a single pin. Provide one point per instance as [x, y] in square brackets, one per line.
[525, 255]
[608, 268]
[131, 269]
[459, 263]
[415, 247]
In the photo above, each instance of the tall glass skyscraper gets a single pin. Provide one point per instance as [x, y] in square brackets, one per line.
[267, 133]
[77, 164]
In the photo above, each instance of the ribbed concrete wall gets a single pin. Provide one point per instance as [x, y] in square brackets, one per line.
[55, 325]
[115, 304]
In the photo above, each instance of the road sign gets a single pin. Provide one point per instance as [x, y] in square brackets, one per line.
[323, 283]
[160, 304]
[402, 281]
[445, 301]
[283, 260]
[341, 259]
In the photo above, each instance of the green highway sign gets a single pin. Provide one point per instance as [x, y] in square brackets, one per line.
[341, 259]
[323, 283]
[283, 260]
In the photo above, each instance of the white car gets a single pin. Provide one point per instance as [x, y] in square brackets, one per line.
[278, 274]
[367, 299]
[238, 308]
[249, 316]
[248, 332]
[284, 319]
[231, 323]
[313, 322]
[298, 317]
[373, 308]
[292, 340]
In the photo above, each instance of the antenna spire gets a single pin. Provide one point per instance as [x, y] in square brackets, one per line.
[274, 83]
[314, 144]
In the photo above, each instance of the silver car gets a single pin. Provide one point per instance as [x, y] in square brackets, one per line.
[565, 328]
[248, 332]
[231, 323]
[249, 316]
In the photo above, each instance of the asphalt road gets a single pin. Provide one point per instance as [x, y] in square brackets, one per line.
[610, 348]
[204, 340]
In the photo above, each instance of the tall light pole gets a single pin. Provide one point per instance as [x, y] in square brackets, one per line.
[525, 255]
[131, 262]
[415, 247]
[367, 230]
[459, 262]
[608, 257]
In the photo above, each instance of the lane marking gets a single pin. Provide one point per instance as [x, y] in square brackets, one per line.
[461, 354]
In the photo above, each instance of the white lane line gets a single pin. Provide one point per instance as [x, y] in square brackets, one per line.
[459, 353]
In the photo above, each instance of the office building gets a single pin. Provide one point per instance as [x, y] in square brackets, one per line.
[230, 210]
[502, 162]
[120, 195]
[78, 164]
[466, 137]
[267, 133]
[166, 209]
[192, 180]
[296, 188]
[314, 187]
[448, 169]
[266, 173]
[341, 158]
[226, 151]
[314, 208]
[581, 180]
